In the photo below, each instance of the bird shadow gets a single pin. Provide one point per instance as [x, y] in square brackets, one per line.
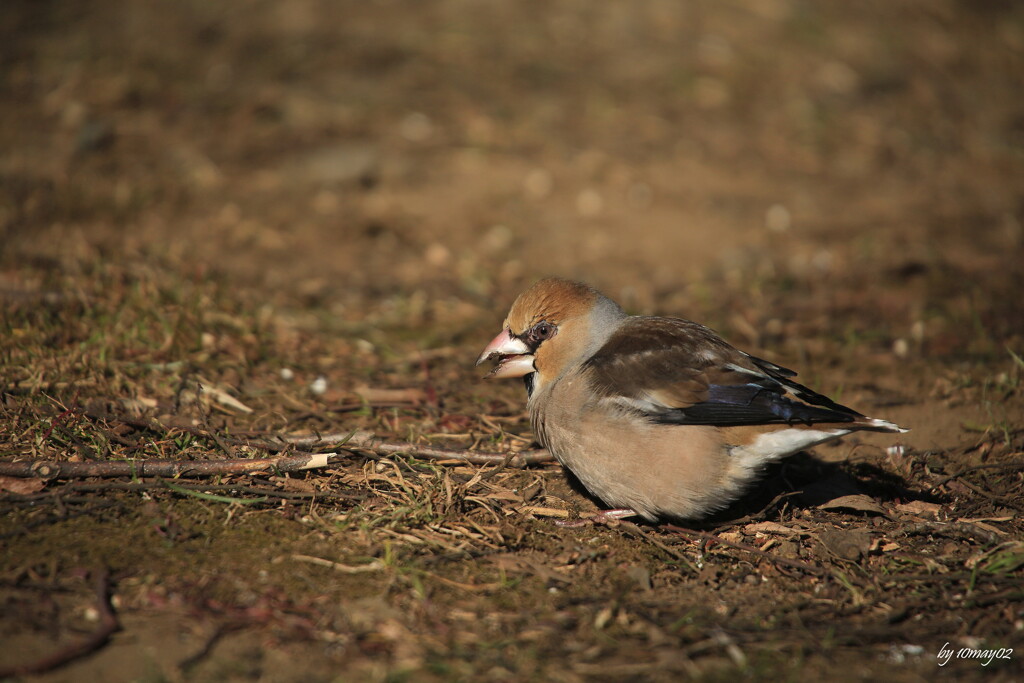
[799, 483]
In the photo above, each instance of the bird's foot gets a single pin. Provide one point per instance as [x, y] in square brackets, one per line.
[609, 517]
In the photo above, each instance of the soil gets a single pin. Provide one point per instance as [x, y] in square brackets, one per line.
[223, 223]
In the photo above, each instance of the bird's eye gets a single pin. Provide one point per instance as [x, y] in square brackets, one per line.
[541, 331]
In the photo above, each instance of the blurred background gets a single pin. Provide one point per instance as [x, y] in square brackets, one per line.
[827, 183]
[341, 152]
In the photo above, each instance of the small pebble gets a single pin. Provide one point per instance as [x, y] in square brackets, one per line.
[416, 127]
[640, 195]
[318, 386]
[589, 203]
[437, 255]
[777, 218]
[538, 183]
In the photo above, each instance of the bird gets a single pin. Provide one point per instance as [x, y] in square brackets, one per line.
[658, 417]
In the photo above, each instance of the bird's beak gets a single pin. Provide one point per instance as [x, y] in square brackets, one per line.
[514, 357]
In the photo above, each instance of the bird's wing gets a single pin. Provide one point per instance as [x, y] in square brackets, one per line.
[680, 372]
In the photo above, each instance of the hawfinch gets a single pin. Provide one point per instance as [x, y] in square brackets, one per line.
[657, 417]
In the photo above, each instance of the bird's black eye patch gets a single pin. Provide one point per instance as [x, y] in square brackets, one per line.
[540, 332]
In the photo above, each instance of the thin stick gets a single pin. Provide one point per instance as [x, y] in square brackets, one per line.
[108, 625]
[802, 566]
[224, 629]
[47, 469]
[350, 443]
[962, 530]
[372, 566]
[998, 599]
[74, 487]
[995, 498]
[990, 466]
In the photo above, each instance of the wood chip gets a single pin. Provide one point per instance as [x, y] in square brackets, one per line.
[920, 508]
[224, 398]
[374, 395]
[858, 502]
[21, 486]
[373, 566]
[544, 512]
[770, 528]
[987, 527]
[846, 544]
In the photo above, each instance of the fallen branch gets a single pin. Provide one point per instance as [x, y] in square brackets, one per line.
[1003, 598]
[77, 487]
[48, 469]
[351, 441]
[517, 460]
[1011, 466]
[964, 531]
[372, 566]
[349, 444]
[192, 660]
[995, 498]
[107, 626]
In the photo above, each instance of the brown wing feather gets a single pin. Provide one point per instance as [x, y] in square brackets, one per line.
[672, 359]
[681, 372]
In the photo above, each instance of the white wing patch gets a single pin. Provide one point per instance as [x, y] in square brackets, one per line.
[885, 425]
[780, 443]
[645, 404]
[746, 371]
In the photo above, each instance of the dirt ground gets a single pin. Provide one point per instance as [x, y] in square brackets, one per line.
[225, 223]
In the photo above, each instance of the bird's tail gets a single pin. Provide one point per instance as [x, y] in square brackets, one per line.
[872, 424]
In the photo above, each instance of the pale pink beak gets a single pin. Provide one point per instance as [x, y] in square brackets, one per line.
[514, 357]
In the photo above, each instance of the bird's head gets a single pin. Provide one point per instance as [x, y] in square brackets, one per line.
[551, 325]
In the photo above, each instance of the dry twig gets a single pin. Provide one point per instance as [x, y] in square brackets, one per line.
[347, 443]
[802, 566]
[107, 626]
